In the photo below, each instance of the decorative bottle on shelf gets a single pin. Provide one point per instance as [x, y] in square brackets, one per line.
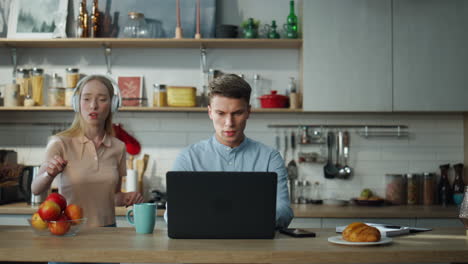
[82, 21]
[272, 32]
[293, 96]
[95, 20]
[256, 92]
[458, 186]
[291, 22]
[444, 190]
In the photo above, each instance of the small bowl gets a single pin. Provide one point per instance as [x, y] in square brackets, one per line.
[74, 227]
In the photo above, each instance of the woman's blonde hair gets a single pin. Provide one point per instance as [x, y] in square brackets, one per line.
[77, 127]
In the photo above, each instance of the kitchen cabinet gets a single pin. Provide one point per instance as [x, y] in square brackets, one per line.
[347, 55]
[430, 43]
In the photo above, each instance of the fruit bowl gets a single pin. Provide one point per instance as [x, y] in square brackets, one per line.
[57, 228]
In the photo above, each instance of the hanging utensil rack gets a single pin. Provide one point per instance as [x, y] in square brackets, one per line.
[367, 131]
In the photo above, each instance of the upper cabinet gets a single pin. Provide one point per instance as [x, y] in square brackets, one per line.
[347, 55]
[430, 44]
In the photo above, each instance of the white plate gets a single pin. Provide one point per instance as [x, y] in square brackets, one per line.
[339, 240]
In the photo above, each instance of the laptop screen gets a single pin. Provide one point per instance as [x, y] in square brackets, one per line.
[221, 204]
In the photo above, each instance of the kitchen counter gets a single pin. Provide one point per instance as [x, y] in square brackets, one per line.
[311, 211]
[124, 245]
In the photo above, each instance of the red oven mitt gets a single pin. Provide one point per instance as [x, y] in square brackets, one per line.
[132, 145]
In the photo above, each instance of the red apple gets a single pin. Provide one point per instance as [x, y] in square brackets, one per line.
[74, 212]
[59, 199]
[61, 226]
[37, 222]
[49, 211]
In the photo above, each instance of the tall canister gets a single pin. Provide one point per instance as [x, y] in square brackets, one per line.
[395, 190]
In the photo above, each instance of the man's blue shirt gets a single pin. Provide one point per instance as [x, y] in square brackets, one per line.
[250, 155]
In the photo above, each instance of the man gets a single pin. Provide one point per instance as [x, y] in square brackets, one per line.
[229, 149]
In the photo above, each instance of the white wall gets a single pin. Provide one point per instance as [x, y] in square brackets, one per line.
[435, 139]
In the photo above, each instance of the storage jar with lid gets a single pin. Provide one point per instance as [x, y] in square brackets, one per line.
[23, 78]
[414, 188]
[159, 95]
[72, 76]
[136, 26]
[37, 86]
[11, 96]
[56, 91]
[428, 188]
[395, 190]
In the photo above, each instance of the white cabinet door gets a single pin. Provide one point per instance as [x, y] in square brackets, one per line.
[430, 55]
[347, 55]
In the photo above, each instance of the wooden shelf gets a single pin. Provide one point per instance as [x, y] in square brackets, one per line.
[145, 109]
[152, 43]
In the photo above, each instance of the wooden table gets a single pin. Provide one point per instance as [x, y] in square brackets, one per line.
[19, 243]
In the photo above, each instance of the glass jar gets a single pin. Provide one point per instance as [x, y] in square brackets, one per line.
[413, 188]
[23, 78]
[304, 193]
[159, 95]
[37, 86]
[395, 191]
[56, 92]
[136, 26]
[68, 96]
[428, 188]
[11, 95]
[72, 77]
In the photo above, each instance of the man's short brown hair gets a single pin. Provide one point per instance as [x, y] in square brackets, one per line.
[231, 86]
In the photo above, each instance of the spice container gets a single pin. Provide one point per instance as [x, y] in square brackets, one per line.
[428, 188]
[72, 77]
[37, 86]
[159, 95]
[395, 191]
[24, 80]
[56, 92]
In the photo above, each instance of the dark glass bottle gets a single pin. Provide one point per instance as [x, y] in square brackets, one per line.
[444, 189]
[458, 186]
[291, 22]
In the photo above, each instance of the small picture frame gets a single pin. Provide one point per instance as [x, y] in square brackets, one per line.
[131, 90]
[40, 19]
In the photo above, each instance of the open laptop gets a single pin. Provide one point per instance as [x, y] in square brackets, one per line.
[221, 204]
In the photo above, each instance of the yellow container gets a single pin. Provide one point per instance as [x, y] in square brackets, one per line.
[183, 96]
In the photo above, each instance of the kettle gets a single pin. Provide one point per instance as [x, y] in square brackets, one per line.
[25, 180]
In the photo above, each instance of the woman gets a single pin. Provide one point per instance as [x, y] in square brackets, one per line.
[92, 161]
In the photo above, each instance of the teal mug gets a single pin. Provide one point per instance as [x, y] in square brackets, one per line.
[143, 217]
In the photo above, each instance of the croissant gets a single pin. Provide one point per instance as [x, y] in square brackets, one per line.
[360, 232]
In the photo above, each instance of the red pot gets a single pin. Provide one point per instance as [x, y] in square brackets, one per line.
[274, 100]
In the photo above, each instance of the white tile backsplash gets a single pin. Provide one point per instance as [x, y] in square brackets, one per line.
[436, 139]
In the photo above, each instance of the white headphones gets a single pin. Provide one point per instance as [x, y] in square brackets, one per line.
[116, 99]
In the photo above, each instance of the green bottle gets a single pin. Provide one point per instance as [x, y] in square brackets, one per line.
[291, 22]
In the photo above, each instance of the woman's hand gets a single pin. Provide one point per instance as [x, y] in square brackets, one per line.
[55, 166]
[131, 198]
